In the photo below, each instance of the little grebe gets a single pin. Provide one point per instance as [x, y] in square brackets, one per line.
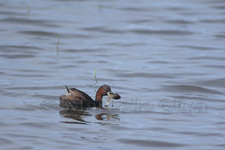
[75, 97]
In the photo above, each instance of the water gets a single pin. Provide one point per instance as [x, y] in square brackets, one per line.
[165, 58]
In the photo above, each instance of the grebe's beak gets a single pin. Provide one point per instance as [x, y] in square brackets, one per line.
[114, 95]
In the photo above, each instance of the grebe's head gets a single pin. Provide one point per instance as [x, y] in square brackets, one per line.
[105, 90]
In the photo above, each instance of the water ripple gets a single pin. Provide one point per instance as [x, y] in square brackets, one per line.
[150, 143]
[161, 32]
[145, 75]
[5, 141]
[28, 21]
[191, 89]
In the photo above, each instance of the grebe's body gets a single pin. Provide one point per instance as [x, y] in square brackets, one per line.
[77, 98]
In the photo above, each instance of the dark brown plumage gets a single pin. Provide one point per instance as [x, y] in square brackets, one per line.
[77, 98]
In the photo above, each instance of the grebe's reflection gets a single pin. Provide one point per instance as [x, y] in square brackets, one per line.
[107, 116]
[79, 115]
[75, 114]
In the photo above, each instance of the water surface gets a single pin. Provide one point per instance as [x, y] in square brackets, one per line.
[165, 58]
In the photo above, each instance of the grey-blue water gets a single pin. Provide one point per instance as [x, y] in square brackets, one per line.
[165, 58]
